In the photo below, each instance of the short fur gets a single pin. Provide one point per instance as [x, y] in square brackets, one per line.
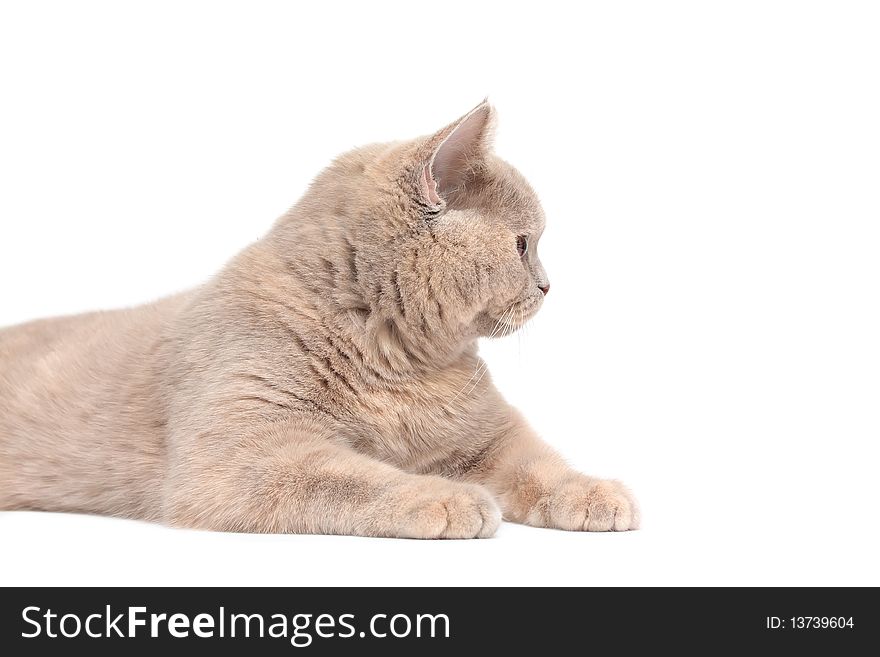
[325, 381]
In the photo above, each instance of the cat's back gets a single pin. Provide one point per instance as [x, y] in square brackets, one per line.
[80, 403]
[23, 345]
[47, 353]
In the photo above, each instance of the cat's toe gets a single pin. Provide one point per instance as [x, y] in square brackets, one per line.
[610, 507]
[593, 505]
[471, 514]
[462, 511]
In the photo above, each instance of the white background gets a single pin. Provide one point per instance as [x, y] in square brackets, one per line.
[710, 174]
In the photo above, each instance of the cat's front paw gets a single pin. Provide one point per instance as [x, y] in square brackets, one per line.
[449, 510]
[594, 505]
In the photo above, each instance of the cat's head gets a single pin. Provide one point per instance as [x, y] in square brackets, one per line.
[441, 235]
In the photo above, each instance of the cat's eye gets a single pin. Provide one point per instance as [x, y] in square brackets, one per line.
[522, 245]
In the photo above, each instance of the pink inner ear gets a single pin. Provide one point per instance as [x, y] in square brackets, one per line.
[430, 186]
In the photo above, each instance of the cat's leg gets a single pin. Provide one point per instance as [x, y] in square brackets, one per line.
[291, 479]
[534, 486]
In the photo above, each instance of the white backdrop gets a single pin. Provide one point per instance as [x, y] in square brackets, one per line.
[710, 175]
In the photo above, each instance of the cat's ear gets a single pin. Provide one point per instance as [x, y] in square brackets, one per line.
[451, 154]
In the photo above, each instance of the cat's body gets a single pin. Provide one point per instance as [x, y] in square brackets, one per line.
[325, 381]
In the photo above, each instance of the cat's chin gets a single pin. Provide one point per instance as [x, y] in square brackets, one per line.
[504, 328]
[511, 320]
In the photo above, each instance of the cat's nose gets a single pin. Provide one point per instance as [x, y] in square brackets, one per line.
[545, 288]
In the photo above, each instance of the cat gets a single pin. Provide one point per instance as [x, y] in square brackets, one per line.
[326, 381]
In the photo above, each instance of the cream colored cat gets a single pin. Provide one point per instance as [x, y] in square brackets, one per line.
[324, 381]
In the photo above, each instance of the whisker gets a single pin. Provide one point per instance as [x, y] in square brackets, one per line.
[477, 382]
[480, 371]
[519, 335]
[505, 318]
[481, 365]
